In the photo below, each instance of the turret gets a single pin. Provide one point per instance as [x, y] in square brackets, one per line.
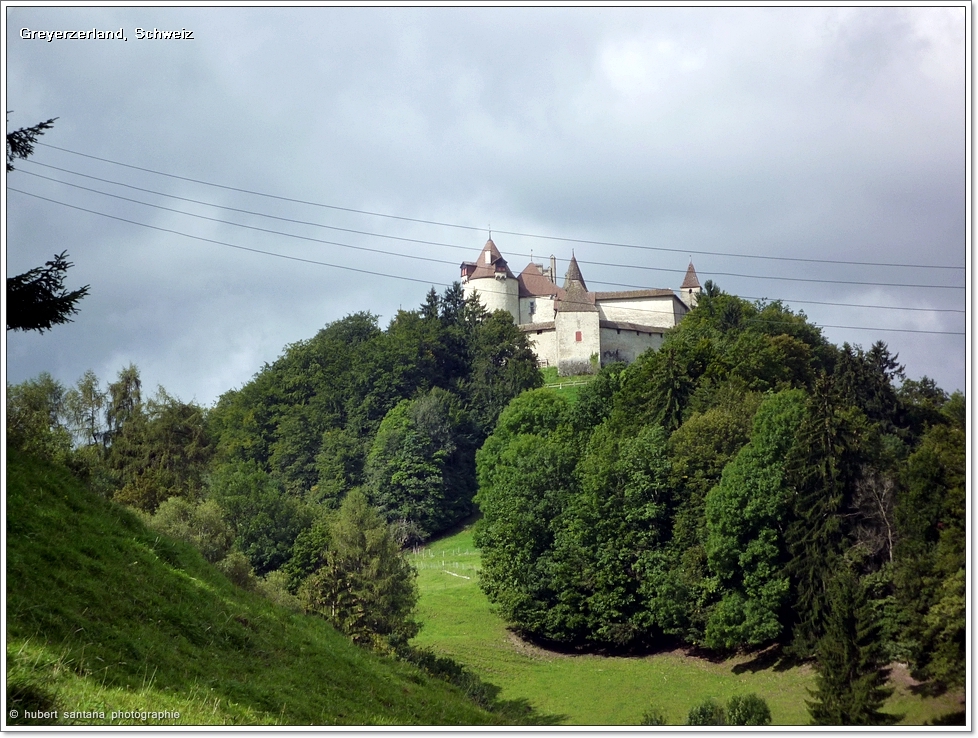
[689, 293]
[491, 278]
[578, 326]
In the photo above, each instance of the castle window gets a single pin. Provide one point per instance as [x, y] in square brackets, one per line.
[578, 337]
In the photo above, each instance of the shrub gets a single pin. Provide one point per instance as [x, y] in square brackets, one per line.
[748, 710]
[654, 716]
[740, 710]
[202, 526]
[708, 712]
[236, 568]
[274, 587]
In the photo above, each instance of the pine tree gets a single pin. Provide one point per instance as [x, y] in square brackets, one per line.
[850, 686]
[822, 470]
[365, 586]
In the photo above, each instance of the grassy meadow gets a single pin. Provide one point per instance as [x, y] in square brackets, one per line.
[566, 387]
[599, 690]
[105, 615]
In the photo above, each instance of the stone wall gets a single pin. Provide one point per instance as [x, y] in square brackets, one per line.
[578, 339]
[660, 312]
[543, 310]
[626, 345]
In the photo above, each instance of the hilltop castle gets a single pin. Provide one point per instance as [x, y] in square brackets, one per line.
[570, 327]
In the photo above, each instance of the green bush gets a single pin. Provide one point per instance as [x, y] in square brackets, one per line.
[654, 716]
[708, 712]
[740, 710]
[202, 526]
[274, 587]
[237, 569]
[748, 710]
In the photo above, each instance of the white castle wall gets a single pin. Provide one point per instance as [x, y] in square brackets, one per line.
[625, 345]
[543, 310]
[660, 312]
[496, 294]
[543, 341]
[573, 356]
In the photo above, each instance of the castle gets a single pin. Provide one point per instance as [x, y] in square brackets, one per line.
[570, 327]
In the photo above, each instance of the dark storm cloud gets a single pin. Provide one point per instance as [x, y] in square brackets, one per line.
[834, 133]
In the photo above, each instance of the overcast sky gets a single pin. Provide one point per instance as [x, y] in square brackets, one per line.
[717, 134]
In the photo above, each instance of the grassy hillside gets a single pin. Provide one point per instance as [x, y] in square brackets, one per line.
[597, 690]
[104, 615]
[567, 387]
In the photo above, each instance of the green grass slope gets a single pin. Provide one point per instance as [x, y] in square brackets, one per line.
[103, 615]
[602, 690]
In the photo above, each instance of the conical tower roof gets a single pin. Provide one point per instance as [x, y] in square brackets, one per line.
[576, 298]
[691, 281]
[489, 263]
[574, 274]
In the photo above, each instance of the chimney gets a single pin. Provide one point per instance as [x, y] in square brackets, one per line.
[553, 269]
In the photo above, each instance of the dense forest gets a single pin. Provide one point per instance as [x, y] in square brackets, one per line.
[748, 484]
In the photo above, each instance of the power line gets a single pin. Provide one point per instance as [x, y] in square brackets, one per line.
[366, 233]
[508, 233]
[415, 240]
[230, 245]
[242, 225]
[353, 269]
[851, 304]
[433, 260]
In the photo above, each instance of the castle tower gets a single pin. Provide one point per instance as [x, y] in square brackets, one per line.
[492, 279]
[690, 291]
[578, 326]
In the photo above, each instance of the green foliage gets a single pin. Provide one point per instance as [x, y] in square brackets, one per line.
[274, 587]
[105, 614]
[311, 418]
[822, 469]
[237, 569]
[930, 556]
[159, 450]
[654, 716]
[708, 712]
[85, 404]
[745, 515]
[760, 347]
[617, 525]
[201, 525]
[748, 710]
[419, 471]
[525, 475]
[365, 587]
[698, 451]
[339, 465]
[740, 710]
[265, 519]
[850, 685]
[34, 410]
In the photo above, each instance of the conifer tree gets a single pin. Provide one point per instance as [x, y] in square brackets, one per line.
[850, 685]
[822, 469]
[365, 586]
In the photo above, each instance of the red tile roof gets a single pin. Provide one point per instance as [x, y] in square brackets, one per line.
[534, 283]
[489, 268]
[691, 279]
